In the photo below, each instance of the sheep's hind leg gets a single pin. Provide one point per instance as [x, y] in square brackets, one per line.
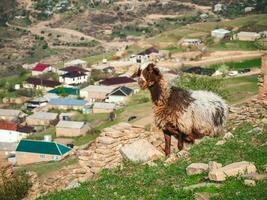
[167, 137]
[180, 137]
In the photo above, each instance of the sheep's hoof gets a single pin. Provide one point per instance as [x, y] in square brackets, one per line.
[180, 145]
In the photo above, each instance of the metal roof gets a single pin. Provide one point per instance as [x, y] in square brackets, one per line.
[70, 91]
[98, 88]
[121, 91]
[42, 147]
[9, 112]
[44, 116]
[100, 105]
[70, 124]
[67, 102]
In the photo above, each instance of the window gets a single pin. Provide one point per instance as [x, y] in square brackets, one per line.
[42, 156]
[55, 158]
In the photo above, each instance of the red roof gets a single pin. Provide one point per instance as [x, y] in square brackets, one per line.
[117, 80]
[40, 67]
[8, 126]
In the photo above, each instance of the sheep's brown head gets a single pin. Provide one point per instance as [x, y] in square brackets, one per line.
[148, 75]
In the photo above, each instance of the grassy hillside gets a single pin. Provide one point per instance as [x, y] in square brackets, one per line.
[136, 181]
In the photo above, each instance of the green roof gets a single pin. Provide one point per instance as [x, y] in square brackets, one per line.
[42, 147]
[64, 90]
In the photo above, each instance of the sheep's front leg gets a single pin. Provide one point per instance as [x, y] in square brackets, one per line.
[167, 137]
[180, 144]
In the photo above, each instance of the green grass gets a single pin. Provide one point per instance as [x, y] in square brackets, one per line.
[235, 45]
[137, 181]
[45, 168]
[252, 63]
[40, 135]
[98, 58]
[240, 88]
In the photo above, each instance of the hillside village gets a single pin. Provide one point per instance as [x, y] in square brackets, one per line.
[72, 117]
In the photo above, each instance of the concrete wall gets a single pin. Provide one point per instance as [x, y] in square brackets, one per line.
[72, 132]
[76, 80]
[23, 158]
[100, 110]
[11, 136]
[64, 107]
[116, 99]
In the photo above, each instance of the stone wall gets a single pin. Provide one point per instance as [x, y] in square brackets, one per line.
[263, 79]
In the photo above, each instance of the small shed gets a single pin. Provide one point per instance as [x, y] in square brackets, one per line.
[119, 95]
[101, 107]
[42, 119]
[220, 33]
[96, 92]
[247, 36]
[34, 151]
[71, 128]
[41, 68]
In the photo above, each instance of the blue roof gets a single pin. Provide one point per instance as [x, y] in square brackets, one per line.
[42, 147]
[67, 101]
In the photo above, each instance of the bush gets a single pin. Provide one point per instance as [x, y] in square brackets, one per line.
[195, 82]
[15, 188]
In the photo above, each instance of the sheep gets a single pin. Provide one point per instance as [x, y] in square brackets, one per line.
[187, 115]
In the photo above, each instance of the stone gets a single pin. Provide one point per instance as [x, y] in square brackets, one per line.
[196, 168]
[228, 135]
[220, 142]
[79, 171]
[264, 121]
[251, 183]
[256, 176]
[171, 159]
[234, 169]
[214, 165]
[140, 151]
[151, 163]
[201, 196]
[115, 134]
[182, 154]
[84, 158]
[73, 184]
[105, 140]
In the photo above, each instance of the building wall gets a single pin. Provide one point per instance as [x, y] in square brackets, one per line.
[72, 132]
[101, 110]
[23, 158]
[11, 136]
[247, 38]
[65, 107]
[116, 99]
[76, 80]
[92, 96]
[37, 122]
[9, 118]
[36, 73]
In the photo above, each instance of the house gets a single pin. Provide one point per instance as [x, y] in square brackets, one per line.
[69, 69]
[102, 107]
[42, 119]
[218, 7]
[34, 151]
[191, 42]
[203, 16]
[41, 68]
[73, 78]
[67, 103]
[71, 128]
[9, 132]
[220, 33]
[119, 95]
[65, 91]
[40, 101]
[148, 54]
[76, 63]
[40, 84]
[247, 36]
[11, 115]
[248, 9]
[118, 81]
[7, 148]
[96, 92]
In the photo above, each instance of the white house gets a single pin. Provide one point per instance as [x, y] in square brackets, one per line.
[249, 9]
[96, 92]
[73, 78]
[219, 33]
[191, 42]
[41, 68]
[119, 95]
[11, 136]
[218, 7]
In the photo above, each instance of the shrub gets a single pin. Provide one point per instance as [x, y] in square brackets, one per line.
[195, 82]
[15, 188]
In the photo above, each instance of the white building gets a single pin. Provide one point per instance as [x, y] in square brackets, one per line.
[101, 107]
[11, 136]
[218, 7]
[119, 95]
[73, 78]
[220, 33]
[94, 93]
[41, 69]
[191, 42]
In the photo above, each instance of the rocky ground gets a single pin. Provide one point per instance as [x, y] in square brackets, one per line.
[123, 140]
